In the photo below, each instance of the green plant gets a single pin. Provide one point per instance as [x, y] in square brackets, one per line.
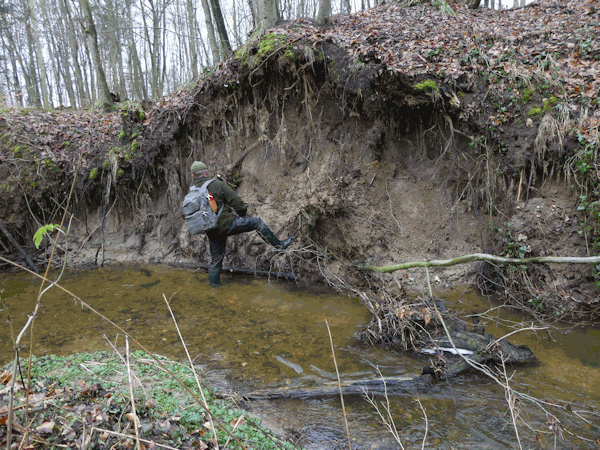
[427, 85]
[527, 95]
[43, 231]
[514, 247]
[135, 146]
[435, 52]
[549, 103]
[236, 181]
[535, 111]
[167, 397]
[94, 173]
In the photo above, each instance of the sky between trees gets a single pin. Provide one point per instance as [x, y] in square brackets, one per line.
[53, 54]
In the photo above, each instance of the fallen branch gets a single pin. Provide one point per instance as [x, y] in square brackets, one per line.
[483, 257]
[14, 242]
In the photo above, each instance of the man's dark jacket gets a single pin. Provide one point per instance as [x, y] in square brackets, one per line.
[223, 194]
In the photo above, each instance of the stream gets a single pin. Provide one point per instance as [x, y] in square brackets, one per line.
[258, 334]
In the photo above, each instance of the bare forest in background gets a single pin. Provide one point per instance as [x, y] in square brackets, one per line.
[84, 53]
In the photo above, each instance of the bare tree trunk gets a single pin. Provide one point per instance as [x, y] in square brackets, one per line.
[346, 8]
[225, 46]
[14, 57]
[34, 98]
[90, 31]
[40, 56]
[324, 13]
[74, 49]
[212, 39]
[267, 13]
[138, 84]
[191, 15]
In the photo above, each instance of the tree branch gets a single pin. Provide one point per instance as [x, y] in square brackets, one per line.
[483, 257]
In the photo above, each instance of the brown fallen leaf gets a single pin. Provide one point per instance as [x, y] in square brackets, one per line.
[237, 422]
[45, 428]
[5, 377]
[133, 418]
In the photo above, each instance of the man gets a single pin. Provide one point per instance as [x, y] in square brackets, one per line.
[229, 223]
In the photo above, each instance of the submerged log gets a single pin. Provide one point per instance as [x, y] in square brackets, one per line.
[391, 386]
[485, 349]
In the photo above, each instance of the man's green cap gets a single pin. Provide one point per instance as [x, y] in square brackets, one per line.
[197, 166]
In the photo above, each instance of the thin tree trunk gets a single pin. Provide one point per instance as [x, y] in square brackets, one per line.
[225, 46]
[210, 29]
[74, 50]
[139, 86]
[34, 98]
[40, 56]
[346, 8]
[90, 31]
[15, 56]
[191, 16]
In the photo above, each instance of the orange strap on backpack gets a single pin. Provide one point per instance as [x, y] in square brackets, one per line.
[212, 203]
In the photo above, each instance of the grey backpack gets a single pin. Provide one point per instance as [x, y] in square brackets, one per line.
[197, 211]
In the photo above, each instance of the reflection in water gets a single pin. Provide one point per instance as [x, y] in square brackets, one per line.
[251, 334]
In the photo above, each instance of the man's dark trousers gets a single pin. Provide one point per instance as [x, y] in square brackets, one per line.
[218, 242]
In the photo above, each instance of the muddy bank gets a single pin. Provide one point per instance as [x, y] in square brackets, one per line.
[367, 145]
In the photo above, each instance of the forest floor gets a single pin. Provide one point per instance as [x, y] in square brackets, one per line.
[85, 401]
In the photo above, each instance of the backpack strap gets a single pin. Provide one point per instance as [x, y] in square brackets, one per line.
[205, 185]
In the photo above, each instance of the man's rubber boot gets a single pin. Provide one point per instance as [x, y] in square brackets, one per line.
[285, 244]
[273, 240]
[214, 278]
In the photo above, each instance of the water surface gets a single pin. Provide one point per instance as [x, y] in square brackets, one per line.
[255, 334]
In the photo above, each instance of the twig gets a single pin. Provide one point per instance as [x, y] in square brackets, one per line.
[389, 422]
[340, 385]
[123, 360]
[511, 402]
[145, 441]
[136, 421]
[426, 423]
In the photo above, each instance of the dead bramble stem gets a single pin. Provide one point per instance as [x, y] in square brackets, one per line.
[136, 420]
[339, 385]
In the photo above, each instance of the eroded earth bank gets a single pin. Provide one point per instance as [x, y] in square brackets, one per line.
[394, 135]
